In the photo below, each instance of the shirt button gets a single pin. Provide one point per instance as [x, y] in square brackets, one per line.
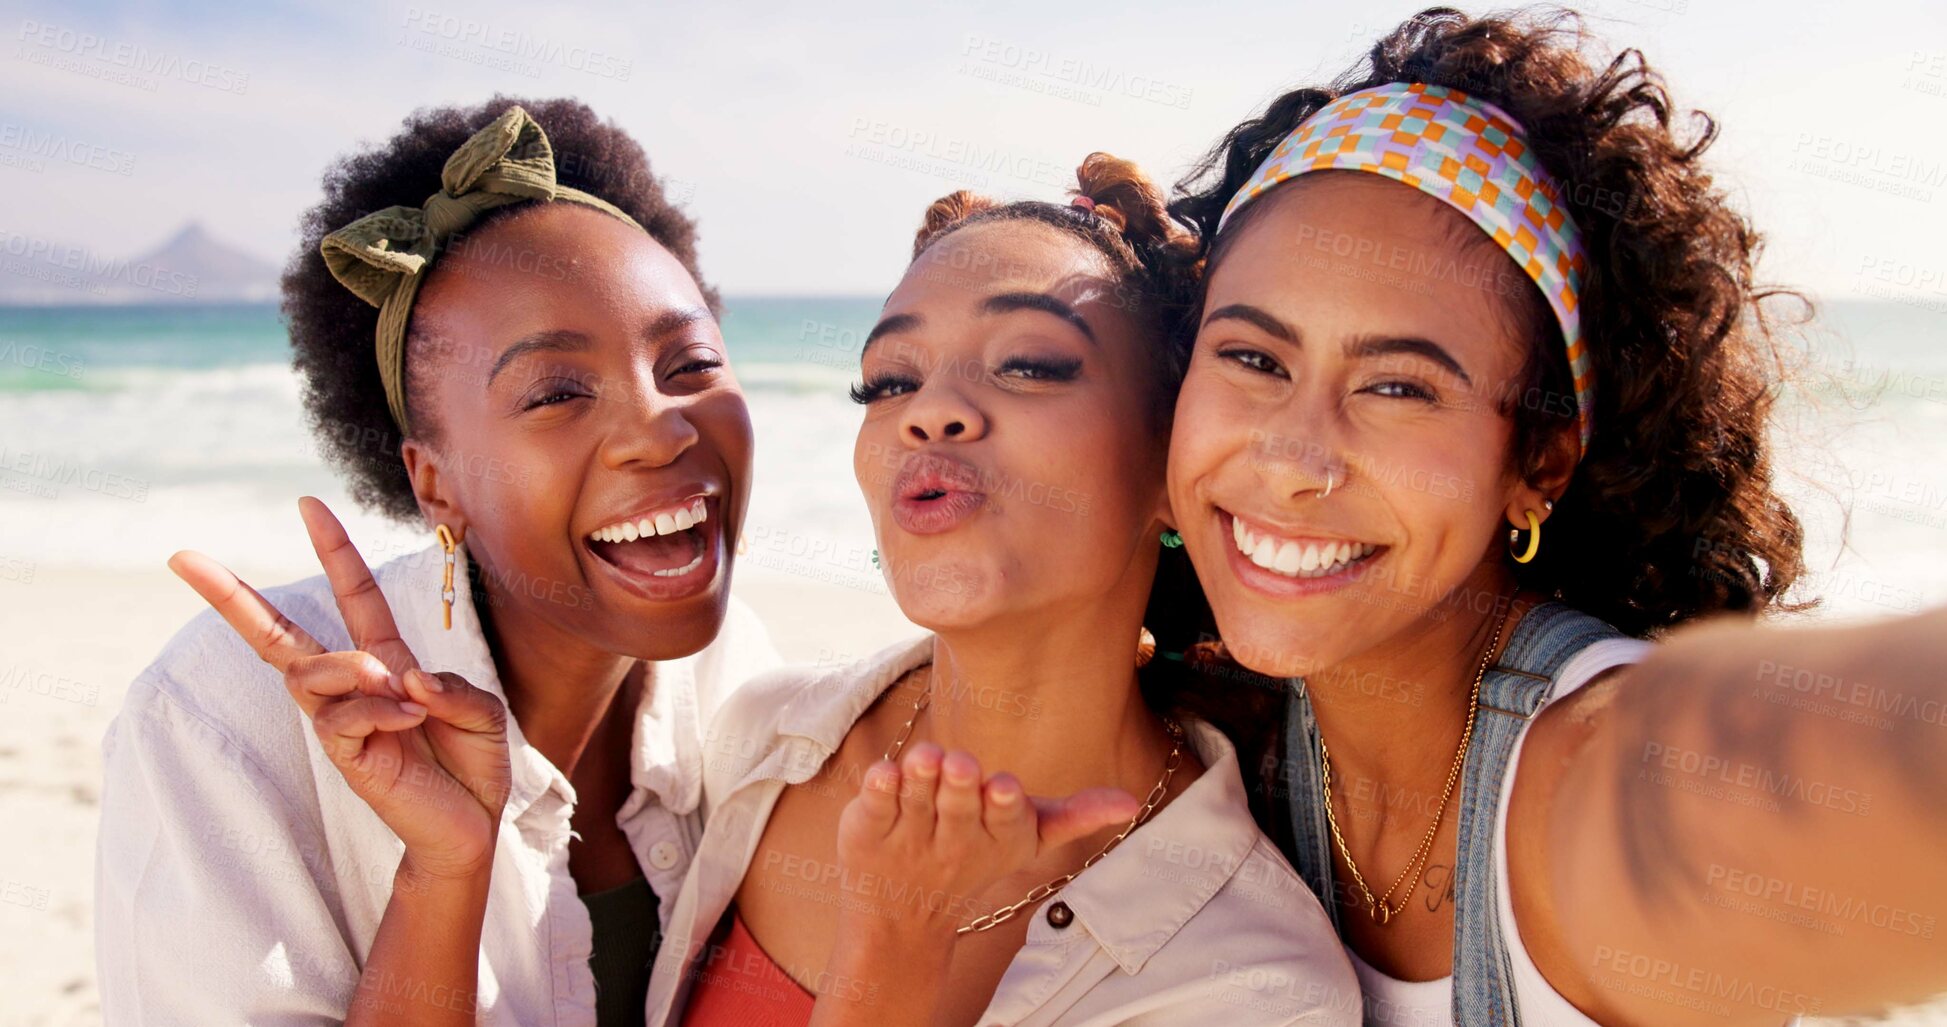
[1059, 915]
[662, 855]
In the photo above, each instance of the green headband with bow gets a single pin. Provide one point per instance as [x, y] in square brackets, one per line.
[384, 256]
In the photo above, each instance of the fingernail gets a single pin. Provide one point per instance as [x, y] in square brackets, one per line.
[413, 708]
[429, 682]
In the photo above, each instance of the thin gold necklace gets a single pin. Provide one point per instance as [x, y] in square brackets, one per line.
[1042, 891]
[1381, 909]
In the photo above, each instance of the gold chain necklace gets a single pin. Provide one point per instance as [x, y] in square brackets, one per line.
[1042, 891]
[1381, 909]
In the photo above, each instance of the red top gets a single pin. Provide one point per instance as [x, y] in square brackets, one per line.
[737, 985]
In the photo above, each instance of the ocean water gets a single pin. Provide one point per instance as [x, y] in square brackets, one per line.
[127, 433]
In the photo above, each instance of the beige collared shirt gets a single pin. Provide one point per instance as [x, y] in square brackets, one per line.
[1194, 919]
[239, 880]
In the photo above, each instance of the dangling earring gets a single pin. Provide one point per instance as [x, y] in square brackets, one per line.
[446, 594]
[1145, 648]
[875, 558]
[1534, 535]
[1171, 540]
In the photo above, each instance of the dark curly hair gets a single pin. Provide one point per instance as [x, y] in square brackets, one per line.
[1672, 513]
[332, 329]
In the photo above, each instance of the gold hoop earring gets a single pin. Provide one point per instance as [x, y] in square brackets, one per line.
[450, 544]
[1534, 535]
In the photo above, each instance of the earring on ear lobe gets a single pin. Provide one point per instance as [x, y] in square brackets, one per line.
[450, 544]
[1170, 539]
[1534, 534]
[1145, 648]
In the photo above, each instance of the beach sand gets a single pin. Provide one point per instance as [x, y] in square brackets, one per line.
[71, 640]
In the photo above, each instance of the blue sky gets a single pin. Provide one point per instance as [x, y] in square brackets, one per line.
[808, 139]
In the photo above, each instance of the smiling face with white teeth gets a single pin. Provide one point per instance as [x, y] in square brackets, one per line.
[1303, 379]
[584, 432]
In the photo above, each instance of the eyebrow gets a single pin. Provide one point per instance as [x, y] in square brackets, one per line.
[1387, 345]
[999, 303]
[889, 326]
[1256, 317]
[567, 340]
[1362, 346]
[559, 340]
[1009, 302]
[670, 321]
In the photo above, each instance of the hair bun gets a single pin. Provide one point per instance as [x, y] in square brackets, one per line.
[1120, 193]
[947, 211]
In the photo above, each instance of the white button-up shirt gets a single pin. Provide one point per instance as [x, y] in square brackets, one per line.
[1194, 919]
[239, 879]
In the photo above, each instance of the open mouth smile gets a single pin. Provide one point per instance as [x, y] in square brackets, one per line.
[664, 552]
[1285, 563]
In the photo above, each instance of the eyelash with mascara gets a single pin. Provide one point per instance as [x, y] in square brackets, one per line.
[880, 387]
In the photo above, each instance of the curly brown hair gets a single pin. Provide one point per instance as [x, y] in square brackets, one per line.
[332, 329]
[1672, 513]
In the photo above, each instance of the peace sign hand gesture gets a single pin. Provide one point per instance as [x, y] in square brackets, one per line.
[428, 752]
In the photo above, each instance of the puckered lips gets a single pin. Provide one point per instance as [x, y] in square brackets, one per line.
[933, 493]
[1287, 562]
[666, 546]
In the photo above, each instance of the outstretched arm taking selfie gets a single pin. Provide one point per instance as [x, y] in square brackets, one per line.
[1743, 828]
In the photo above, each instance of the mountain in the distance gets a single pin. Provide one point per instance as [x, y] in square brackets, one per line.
[192, 267]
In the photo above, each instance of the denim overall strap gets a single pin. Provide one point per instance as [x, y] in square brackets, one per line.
[1512, 691]
[1311, 851]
